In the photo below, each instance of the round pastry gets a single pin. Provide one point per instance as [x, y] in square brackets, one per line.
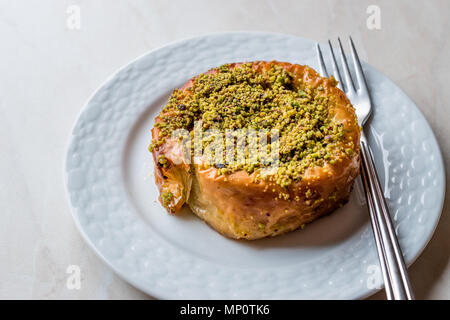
[304, 163]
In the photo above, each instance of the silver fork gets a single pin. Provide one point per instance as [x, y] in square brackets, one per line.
[393, 267]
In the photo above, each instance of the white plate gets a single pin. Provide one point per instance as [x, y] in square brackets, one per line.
[110, 183]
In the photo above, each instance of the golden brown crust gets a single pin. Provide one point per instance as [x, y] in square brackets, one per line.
[237, 206]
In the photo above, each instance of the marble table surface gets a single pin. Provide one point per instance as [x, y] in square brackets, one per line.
[51, 62]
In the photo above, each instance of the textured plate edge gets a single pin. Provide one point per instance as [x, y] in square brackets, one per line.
[444, 186]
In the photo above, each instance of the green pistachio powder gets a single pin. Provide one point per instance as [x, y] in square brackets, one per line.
[242, 98]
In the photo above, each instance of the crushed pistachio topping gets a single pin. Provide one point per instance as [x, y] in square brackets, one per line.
[162, 161]
[167, 197]
[244, 97]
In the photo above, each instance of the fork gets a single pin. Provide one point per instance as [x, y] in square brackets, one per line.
[392, 264]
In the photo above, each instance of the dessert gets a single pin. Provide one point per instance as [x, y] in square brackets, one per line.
[297, 161]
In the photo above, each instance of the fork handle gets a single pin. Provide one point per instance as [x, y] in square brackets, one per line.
[393, 266]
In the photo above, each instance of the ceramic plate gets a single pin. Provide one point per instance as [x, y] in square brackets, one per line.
[113, 197]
